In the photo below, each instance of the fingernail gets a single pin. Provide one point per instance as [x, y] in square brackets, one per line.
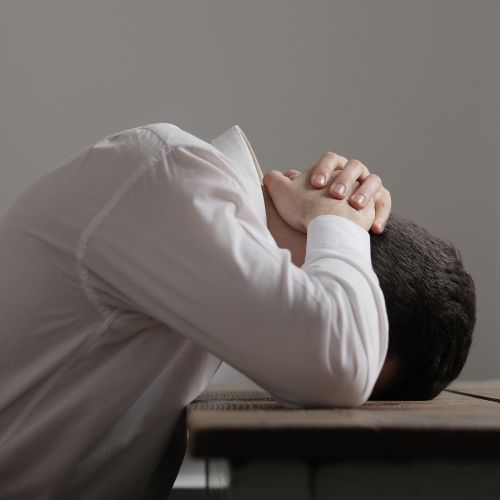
[380, 225]
[320, 179]
[359, 198]
[338, 188]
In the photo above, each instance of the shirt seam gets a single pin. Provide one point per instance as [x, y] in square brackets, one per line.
[97, 219]
[167, 146]
[105, 211]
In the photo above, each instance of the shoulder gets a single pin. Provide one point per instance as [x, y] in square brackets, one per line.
[152, 139]
[172, 136]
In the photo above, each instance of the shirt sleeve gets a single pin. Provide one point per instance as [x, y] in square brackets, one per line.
[183, 245]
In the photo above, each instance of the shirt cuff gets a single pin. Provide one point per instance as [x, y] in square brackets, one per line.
[333, 231]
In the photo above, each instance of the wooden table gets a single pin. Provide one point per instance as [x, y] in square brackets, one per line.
[448, 447]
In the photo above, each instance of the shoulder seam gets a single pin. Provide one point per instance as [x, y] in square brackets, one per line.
[171, 147]
[95, 222]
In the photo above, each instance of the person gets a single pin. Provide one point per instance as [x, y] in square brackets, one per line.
[430, 300]
[132, 270]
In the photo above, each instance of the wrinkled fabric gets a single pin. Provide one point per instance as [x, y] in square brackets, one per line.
[128, 274]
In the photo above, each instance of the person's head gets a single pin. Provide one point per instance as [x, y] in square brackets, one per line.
[431, 307]
[430, 301]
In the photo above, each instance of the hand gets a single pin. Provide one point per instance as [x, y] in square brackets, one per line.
[297, 202]
[369, 185]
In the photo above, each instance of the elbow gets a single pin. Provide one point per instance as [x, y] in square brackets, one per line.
[344, 392]
[330, 391]
[356, 361]
[352, 385]
[347, 381]
[347, 384]
[340, 369]
[349, 397]
[352, 396]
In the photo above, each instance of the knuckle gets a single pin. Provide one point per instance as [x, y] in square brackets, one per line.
[330, 154]
[359, 166]
[328, 157]
[382, 204]
[342, 162]
[376, 179]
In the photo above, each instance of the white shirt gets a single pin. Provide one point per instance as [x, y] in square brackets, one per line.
[128, 274]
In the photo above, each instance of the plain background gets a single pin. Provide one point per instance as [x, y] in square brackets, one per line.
[410, 88]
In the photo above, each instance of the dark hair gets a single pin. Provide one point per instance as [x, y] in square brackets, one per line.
[431, 306]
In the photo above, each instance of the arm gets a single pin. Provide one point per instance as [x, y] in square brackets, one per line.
[184, 246]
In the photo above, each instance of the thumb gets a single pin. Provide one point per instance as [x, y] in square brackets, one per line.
[275, 181]
[281, 191]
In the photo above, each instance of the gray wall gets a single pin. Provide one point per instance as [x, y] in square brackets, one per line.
[411, 88]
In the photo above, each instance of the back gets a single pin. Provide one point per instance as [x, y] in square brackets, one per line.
[73, 400]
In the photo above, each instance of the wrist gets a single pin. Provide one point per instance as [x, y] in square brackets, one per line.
[335, 231]
[350, 220]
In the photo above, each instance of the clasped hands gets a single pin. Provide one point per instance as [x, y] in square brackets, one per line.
[334, 186]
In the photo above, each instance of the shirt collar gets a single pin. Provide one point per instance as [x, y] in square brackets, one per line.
[233, 143]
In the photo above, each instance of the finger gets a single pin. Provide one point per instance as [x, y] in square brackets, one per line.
[353, 170]
[366, 191]
[383, 205]
[328, 163]
[292, 173]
